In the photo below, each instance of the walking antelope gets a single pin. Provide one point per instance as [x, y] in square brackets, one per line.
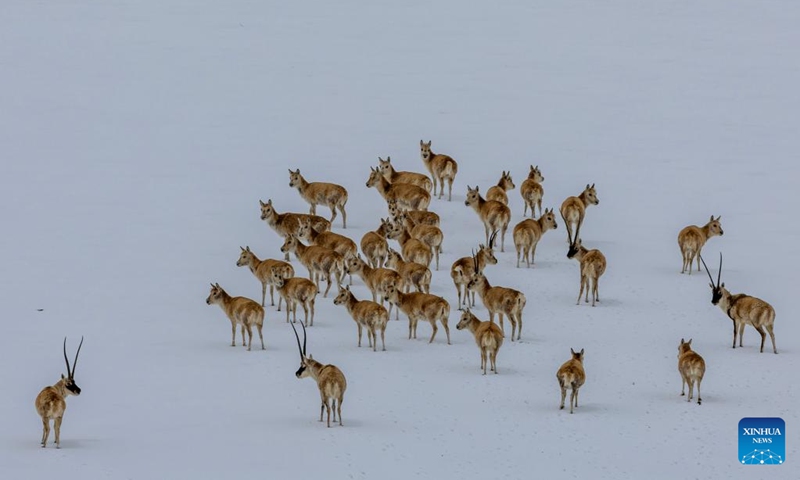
[419, 216]
[375, 246]
[365, 313]
[330, 380]
[743, 310]
[262, 269]
[592, 266]
[532, 191]
[427, 234]
[487, 335]
[692, 238]
[410, 197]
[499, 300]
[442, 167]
[493, 214]
[462, 270]
[51, 401]
[571, 375]
[240, 311]
[498, 192]
[412, 273]
[692, 367]
[413, 250]
[412, 178]
[573, 210]
[320, 193]
[320, 261]
[377, 280]
[528, 232]
[296, 290]
[333, 241]
[421, 306]
[286, 224]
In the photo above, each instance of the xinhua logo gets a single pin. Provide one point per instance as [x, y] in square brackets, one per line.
[762, 441]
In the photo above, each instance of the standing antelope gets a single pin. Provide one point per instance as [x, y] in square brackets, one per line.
[410, 197]
[498, 192]
[412, 178]
[419, 216]
[592, 266]
[493, 214]
[320, 261]
[296, 290]
[412, 273]
[571, 376]
[240, 311]
[374, 244]
[487, 335]
[413, 250]
[692, 238]
[262, 269]
[330, 380]
[692, 367]
[365, 313]
[423, 306]
[528, 232]
[51, 401]
[462, 270]
[333, 241]
[743, 310]
[320, 193]
[499, 300]
[427, 234]
[573, 210]
[532, 191]
[377, 280]
[442, 167]
[286, 224]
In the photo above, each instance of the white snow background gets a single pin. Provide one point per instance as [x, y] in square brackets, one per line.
[138, 137]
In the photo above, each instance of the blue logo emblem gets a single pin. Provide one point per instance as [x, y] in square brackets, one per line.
[762, 441]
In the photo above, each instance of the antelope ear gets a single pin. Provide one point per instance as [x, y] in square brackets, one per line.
[421, 143]
[718, 217]
[723, 285]
[241, 248]
[587, 185]
[388, 159]
[712, 218]
[261, 203]
[212, 285]
[62, 376]
[571, 351]
[217, 285]
[682, 341]
[689, 342]
[581, 353]
[711, 285]
[311, 357]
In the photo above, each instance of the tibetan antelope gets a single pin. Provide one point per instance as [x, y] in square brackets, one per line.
[296, 290]
[375, 246]
[320, 261]
[320, 193]
[532, 191]
[427, 234]
[743, 310]
[413, 250]
[330, 380]
[692, 367]
[442, 167]
[377, 280]
[262, 270]
[286, 224]
[411, 178]
[493, 214]
[571, 375]
[527, 234]
[410, 197]
[421, 306]
[499, 300]
[573, 210]
[692, 238]
[419, 216]
[592, 266]
[240, 311]
[498, 192]
[412, 273]
[338, 243]
[487, 335]
[51, 401]
[462, 270]
[366, 314]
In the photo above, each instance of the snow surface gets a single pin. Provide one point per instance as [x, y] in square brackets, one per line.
[138, 137]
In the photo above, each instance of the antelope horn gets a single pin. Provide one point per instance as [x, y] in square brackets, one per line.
[491, 239]
[719, 274]
[65, 356]
[709, 273]
[298, 340]
[75, 362]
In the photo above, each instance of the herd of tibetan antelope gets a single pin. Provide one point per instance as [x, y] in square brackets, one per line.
[401, 278]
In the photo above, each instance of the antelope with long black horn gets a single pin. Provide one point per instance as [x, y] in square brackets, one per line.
[51, 401]
[329, 378]
[742, 309]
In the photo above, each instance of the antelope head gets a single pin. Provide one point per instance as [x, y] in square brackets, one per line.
[714, 227]
[591, 194]
[266, 209]
[277, 278]
[466, 318]
[549, 219]
[477, 276]
[294, 178]
[716, 289]
[69, 381]
[473, 196]
[245, 258]
[508, 181]
[374, 177]
[577, 355]
[290, 244]
[535, 174]
[385, 166]
[684, 347]
[425, 150]
[343, 296]
[303, 371]
[215, 296]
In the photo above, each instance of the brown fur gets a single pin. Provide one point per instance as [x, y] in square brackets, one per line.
[419, 216]
[498, 192]
[527, 234]
[320, 193]
[487, 335]
[411, 178]
[51, 402]
[331, 383]
[333, 241]
[367, 314]
[748, 310]
[286, 224]
[410, 197]
[573, 210]
[240, 311]
[413, 250]
[441, 167]
[592, 266]
[262, 270]
[427, 234]
[500, 300]
[296, 290]
[320, 261]
[421, 306]
[532, 191]
[375, 246]
[493, 214]
[692, 238]
[692, 367]
[571, 375]
[462, 270]
[377, 280]
[412, 273]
